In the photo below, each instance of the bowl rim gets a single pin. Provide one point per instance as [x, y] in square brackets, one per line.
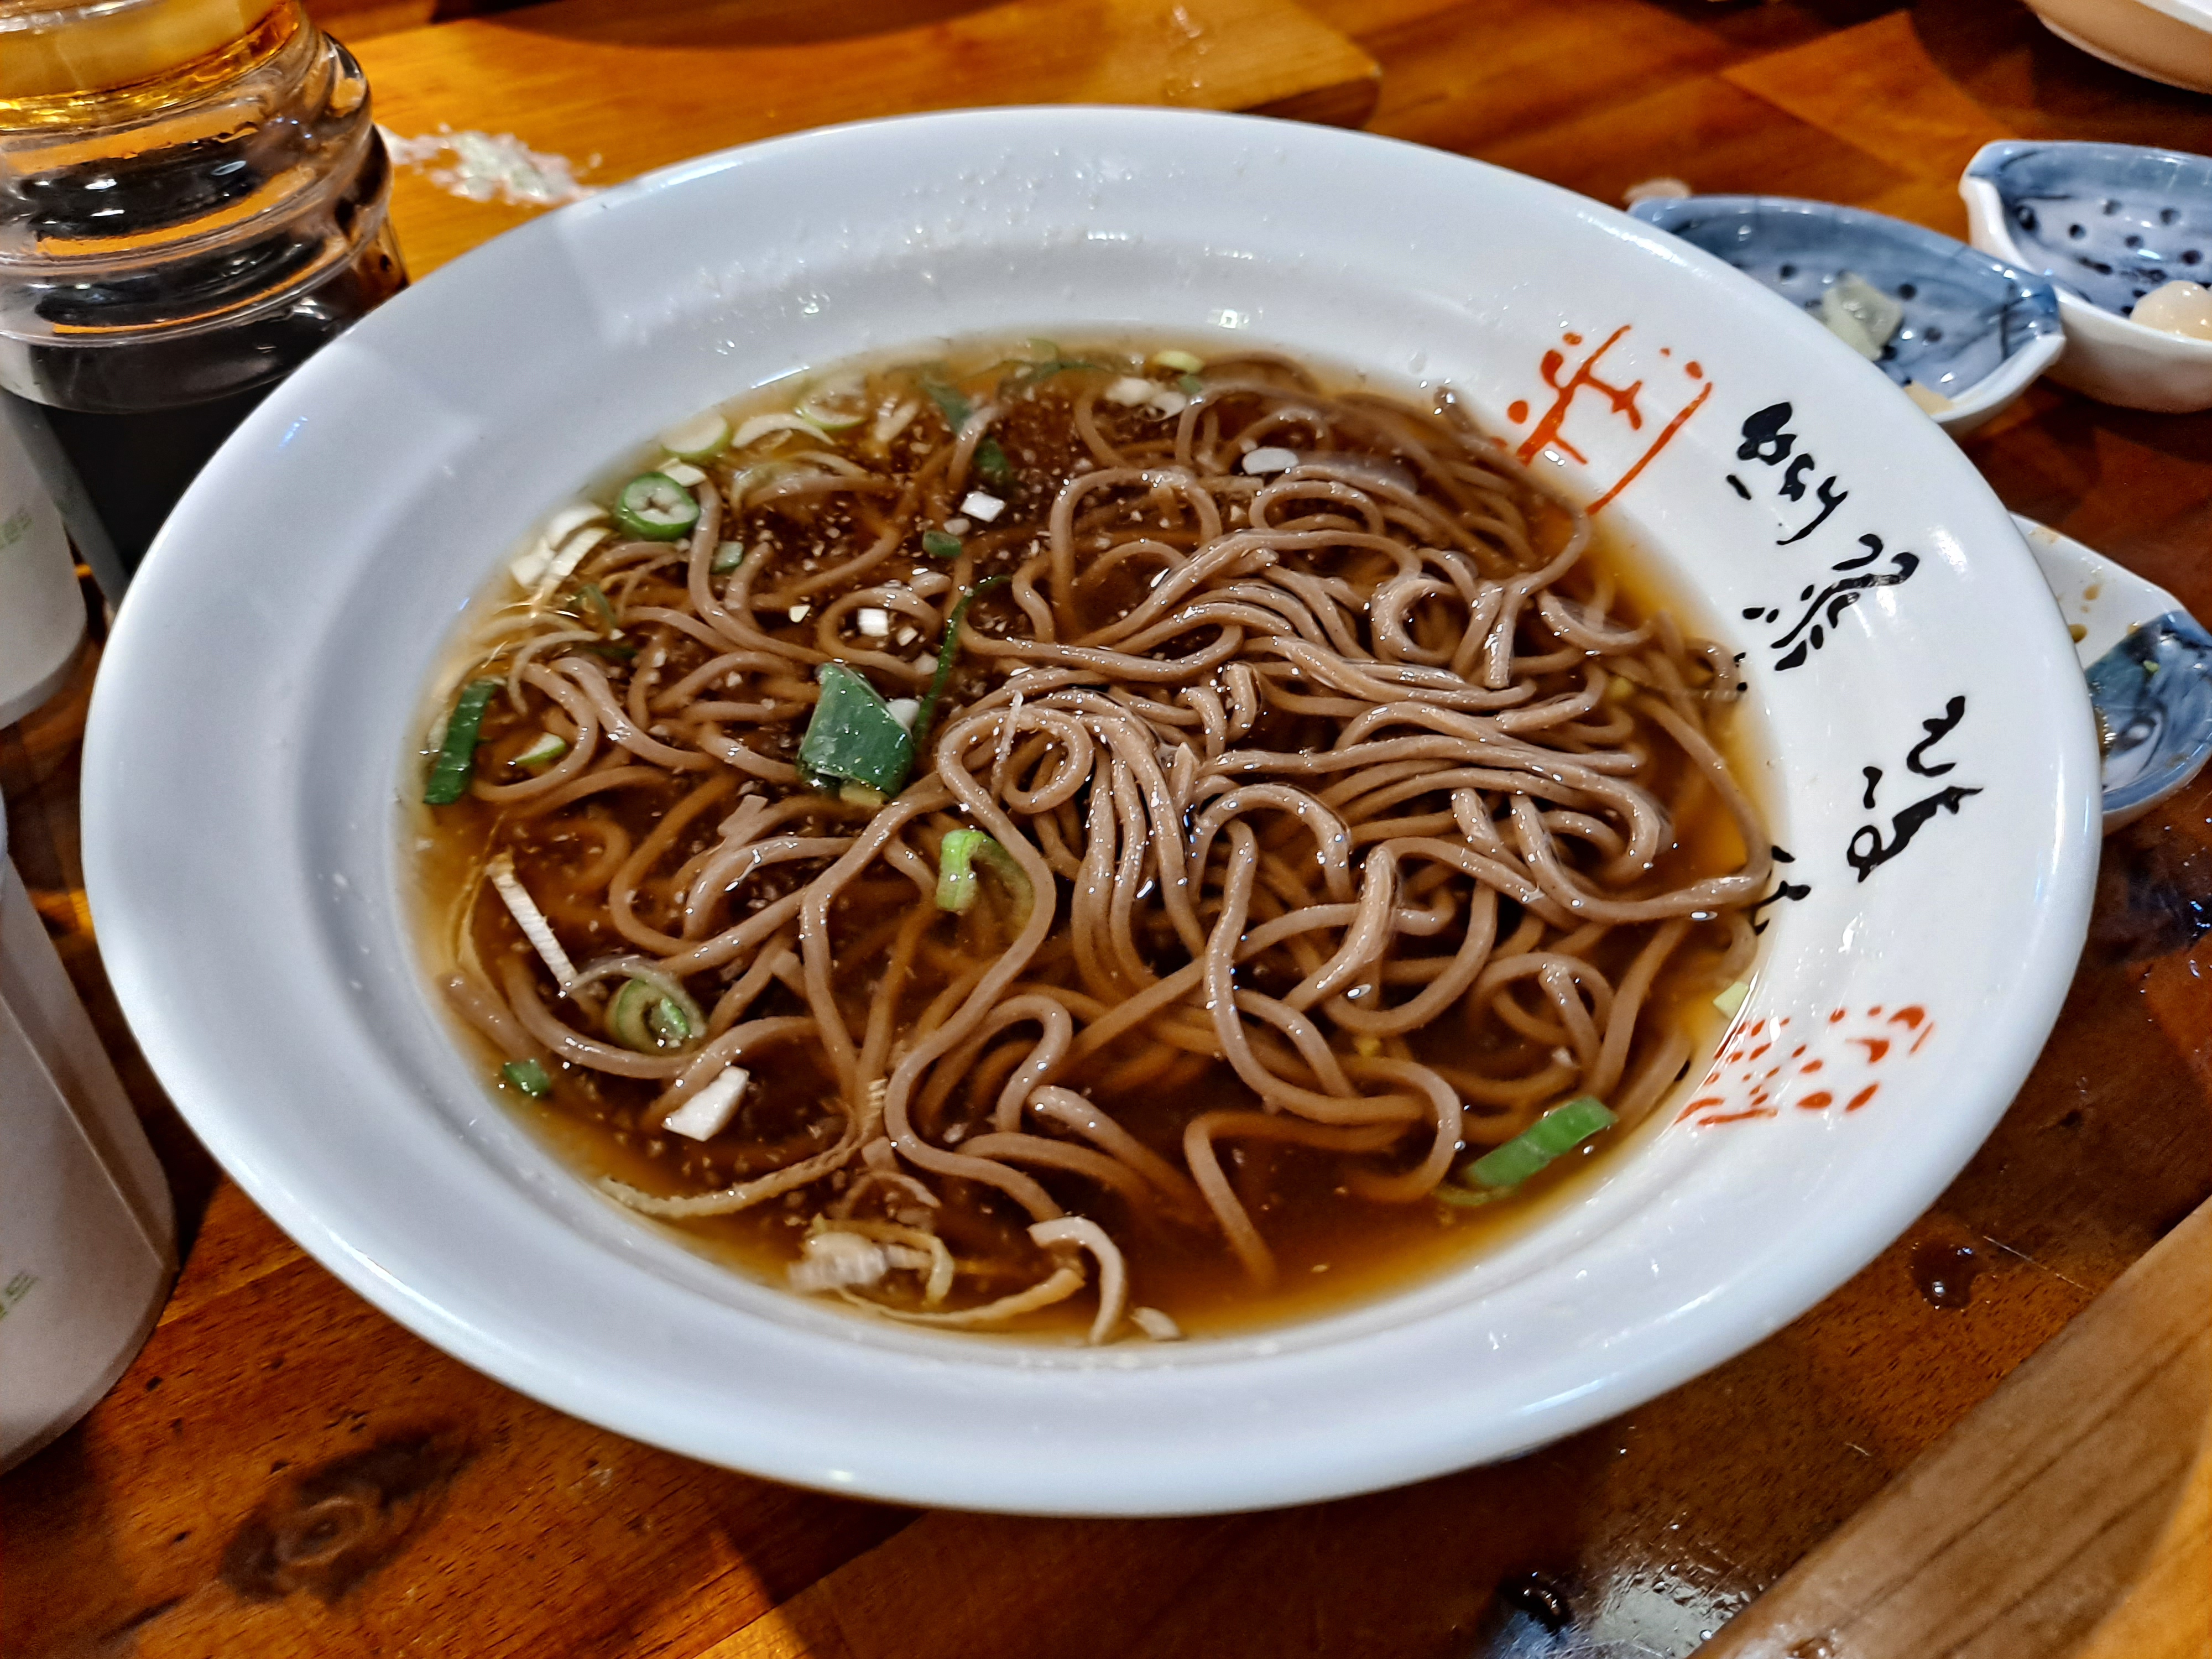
[1703, 1337]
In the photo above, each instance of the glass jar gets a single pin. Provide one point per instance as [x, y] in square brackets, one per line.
[192, 200]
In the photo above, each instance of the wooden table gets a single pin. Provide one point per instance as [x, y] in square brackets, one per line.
[284, 1471]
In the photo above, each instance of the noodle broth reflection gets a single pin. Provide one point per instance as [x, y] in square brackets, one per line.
[1071, 839]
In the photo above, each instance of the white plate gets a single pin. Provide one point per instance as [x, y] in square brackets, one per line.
[250, 736]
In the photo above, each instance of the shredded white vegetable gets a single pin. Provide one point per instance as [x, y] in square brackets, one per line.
[683, 471]
[1155, 1324]
[893, 421]
[873, 622]
[759, 426]
[1731, 999]
[905, 710]
[528, 917]
[1129, 390]
[834, 1260]
[564, 563]
[709, 1112]
[1113, 1276]
[986, 507]
[569, 520]
[1271, 460]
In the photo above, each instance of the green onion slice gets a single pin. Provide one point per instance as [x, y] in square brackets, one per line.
[1036, 373]
[854, 737]
[1182, 362]
[595, 599]
[654, 508]
[528, 1076]
[728, 555]
[939, 545]
[668, 1021]
[457, 756]
[1191, 384]
[653, 1015]
[950, 402]
[991, 461]
[542, 753]
[948, 650]
[1560, 1130]
[957, 859]
[836, 406]
[698, 439]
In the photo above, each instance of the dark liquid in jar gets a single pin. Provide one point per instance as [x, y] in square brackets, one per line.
[135, 465]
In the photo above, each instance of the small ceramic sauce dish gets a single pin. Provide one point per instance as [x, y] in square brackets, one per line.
[1970, 331]
[2111, 225]
[2149, 663]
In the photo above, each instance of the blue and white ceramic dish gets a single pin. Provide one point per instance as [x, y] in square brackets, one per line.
[2149, 663]
[1975, 329]
[2107, 223]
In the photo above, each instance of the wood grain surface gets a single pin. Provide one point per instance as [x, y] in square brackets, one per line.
[284, 1471]
[619, 89]
[2005, 1539]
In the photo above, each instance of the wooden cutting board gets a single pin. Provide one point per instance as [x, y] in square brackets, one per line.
[620, 88]
[2070, 1514]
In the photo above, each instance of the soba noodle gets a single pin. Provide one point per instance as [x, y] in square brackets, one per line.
[1304, 812]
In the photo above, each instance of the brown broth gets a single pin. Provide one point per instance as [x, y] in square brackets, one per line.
[1333, 1249]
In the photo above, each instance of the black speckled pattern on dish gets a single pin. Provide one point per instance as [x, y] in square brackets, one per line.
[1965, 313]
[2110, 222]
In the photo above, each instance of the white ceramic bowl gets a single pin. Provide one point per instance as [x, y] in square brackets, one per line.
[2168, 40]
[250, 737]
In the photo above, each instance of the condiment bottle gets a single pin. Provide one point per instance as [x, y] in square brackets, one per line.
[192, 200]
[88, 1236]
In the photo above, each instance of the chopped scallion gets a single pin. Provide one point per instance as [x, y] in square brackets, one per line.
[698, 438]
[957, 859]
[1038, 372]
[836, 406]
[528, 1076]
[650, 1016]
[1731, 1000]
[1191, 384]
[610, 651]
[948, 650]
[542, 753]
[939, 544]
[950, 402]
[668, 1021]
[728, 555]
[854, 737]
[457, 756]
[595, 599]
[1560, 1130]
[1182, 362]
[654, 508]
